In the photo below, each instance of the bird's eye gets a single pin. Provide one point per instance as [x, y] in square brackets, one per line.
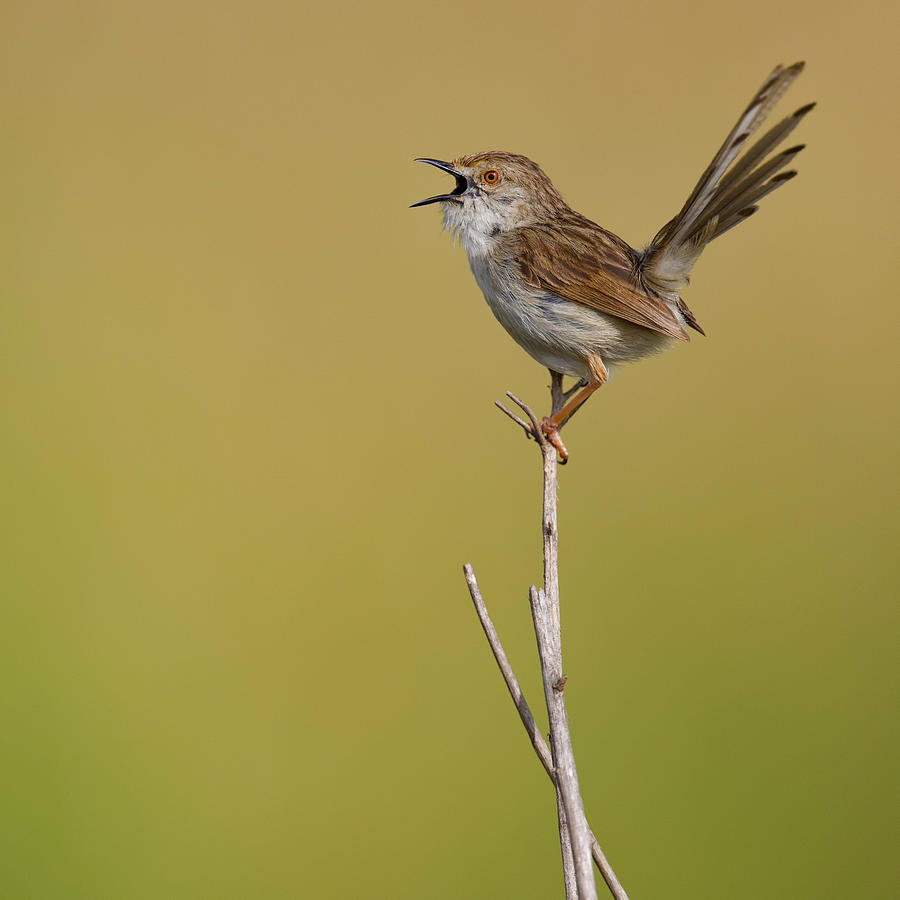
[492, 176]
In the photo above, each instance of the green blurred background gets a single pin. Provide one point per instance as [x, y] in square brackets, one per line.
[248, 441]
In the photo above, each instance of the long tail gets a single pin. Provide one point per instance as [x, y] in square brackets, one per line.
[726, 194]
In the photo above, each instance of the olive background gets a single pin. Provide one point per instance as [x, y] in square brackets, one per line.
[249, 440]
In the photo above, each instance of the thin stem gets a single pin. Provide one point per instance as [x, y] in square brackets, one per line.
[565, 847]
[535, 424]
[509, 676]
[545, 612]
[515, 418]
[558, 396]
[537, 740]
[545, 617]
[577, 842]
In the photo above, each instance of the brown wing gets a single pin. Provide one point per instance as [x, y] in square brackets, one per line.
[578, 260]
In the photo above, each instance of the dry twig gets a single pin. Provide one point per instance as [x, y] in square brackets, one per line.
[537, 740]
[577, 842]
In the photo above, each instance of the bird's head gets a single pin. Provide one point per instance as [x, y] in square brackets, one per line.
[494, 192]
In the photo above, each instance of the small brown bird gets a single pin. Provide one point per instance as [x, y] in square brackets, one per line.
[577, 297]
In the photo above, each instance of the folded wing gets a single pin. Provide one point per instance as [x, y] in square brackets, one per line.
[588, 265]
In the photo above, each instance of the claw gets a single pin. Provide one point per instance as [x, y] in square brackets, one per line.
[551, 430]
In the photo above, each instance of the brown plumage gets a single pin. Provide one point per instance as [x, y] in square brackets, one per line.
[726, 194]
[574, 295]
[578, 260]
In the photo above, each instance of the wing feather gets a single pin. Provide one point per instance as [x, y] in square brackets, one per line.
[729, 188]
[753, 116]
[579, 261]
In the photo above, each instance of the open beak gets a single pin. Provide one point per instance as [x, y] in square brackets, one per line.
[462, 183]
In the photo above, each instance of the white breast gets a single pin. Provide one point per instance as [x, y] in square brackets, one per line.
[558, 333]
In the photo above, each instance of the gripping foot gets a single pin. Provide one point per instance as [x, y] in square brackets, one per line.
[551, 432]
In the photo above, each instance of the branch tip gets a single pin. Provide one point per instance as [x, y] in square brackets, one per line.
[528, 429]
[527, 410]
[578, 843]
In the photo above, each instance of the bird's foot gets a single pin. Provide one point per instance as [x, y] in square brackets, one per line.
[551, 432]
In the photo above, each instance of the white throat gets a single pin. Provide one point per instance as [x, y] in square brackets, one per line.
[475, 223]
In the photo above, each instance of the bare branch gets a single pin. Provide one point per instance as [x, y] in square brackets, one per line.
[535, 424]
[577, 842]
[565, 846]
[606, 871]
[537, 740]
[515, 418]
[545, 612]
[558, 396]
[550, 650]
[512, 683]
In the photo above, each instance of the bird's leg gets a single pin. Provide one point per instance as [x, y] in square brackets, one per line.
[578, 384]
[558, 396]
[552, 424]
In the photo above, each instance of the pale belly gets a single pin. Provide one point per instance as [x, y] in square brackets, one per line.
[560, 334]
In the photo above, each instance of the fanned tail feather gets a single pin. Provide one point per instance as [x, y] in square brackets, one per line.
[728, 191]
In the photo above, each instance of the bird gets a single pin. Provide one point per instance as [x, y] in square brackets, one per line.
[577, 297]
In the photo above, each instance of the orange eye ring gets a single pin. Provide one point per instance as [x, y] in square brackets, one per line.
[492, 176]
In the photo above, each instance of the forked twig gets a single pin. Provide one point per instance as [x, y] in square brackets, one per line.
[541, 749]
[515, 418]
[535, 427]
[558, 396]
[577, 841]
[509, 676]
[533, 430]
